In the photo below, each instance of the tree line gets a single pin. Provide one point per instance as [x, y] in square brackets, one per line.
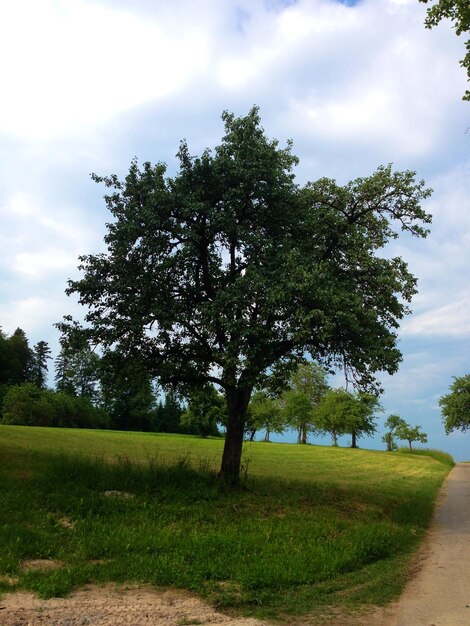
[86, 392]
[93, 392]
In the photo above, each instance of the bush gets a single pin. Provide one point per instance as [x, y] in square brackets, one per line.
[28, 405]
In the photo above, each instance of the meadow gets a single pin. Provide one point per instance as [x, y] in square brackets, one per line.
[310, 527]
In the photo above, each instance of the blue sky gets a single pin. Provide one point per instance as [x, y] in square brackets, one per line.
[89, 84]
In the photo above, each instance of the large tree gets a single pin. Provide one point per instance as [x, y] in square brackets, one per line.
[230, 270]
[458, 12]
[455, 406]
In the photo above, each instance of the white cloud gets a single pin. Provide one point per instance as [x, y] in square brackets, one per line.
[449, 320]
[72, 64]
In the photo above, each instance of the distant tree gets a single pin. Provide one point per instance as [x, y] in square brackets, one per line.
[41, 354]
[28, 405]
[341, 412]
[4, 358]
[20, 358]
[361, 418]
[266, 414]
[297, 411]
[389, 441]
[307, 387]
[392, 422]
[63, 372]
[127, 394]
[458, 11]
[329, 415]
[410, 434]
[230, 269]
[206, 407]
[455, 406]
[77, 367]
[168, 415]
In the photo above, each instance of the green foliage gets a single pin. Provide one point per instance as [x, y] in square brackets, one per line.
[410, 434]
[313, 526]
[16, 358]
[392, 422]
[206, 408]
[307, 386]
[455, 406]
[127, 394]
[28, 405]
[240, 271]
[168, 415]
[266, 414]
[40, 356]
[458, 11]
[341, 412]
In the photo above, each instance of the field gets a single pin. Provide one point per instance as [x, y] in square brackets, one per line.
[311, 527]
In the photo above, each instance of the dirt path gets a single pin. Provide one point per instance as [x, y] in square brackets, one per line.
[114, 605]
[438, 595]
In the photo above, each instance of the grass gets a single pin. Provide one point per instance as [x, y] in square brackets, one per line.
[312, 527]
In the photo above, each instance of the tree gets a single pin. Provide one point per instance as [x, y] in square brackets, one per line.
[410, 434]
[455, 406]
[206, 408]
[28, 405]
[341, 412]
[458, 11]
[41, 353]
[229, 270]
[360, 419]
[20, 358]
[168, 415]
[308, 385]
[329, 416]
[392, 422]
[126, 393]
[266, 414]
[77, 366]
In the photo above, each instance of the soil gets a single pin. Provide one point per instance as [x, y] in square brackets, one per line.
[438, 593]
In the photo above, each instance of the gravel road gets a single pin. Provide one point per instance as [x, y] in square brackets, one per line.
[439, 593]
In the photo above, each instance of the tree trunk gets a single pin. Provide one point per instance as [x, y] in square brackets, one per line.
[304, 434]
[409, 443]
[266, 437]
[237, 404]
[353, 439]
[335, 438]
[299, 434]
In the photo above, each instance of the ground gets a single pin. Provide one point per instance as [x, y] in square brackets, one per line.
[436, 595]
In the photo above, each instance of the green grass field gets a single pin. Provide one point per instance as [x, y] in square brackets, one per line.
[312, 526]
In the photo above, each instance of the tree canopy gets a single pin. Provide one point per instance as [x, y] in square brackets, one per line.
[455, 406]
[458, 11]
[410, 434]
[229, 270]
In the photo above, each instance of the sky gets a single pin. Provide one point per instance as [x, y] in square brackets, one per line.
[87, 85]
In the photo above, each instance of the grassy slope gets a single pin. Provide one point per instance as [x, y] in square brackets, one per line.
[314, 525]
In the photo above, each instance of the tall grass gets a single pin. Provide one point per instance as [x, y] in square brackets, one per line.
[311, 525]
[438, 455]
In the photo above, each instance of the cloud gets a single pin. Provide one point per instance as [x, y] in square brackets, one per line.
[72, 64]
[449, 320]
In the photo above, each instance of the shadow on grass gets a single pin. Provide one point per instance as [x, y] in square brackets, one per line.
[273, 546]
